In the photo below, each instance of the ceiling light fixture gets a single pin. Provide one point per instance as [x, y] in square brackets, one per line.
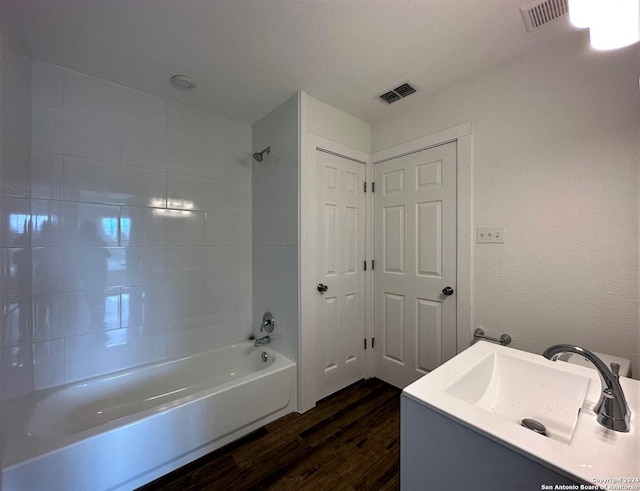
[183, 82]
[612, 23]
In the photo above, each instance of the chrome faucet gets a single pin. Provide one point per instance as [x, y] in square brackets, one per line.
[263, 340]
[612, 408]
[268, 324]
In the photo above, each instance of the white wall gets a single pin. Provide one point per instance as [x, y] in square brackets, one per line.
[16, 370]
[167, 190]
[275, 225]
[555, 161]
[333, 124]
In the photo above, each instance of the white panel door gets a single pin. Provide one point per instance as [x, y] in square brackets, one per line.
[414, 321]
[341, 252]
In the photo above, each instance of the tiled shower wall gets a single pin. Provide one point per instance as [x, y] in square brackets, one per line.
[140, 229]
[16, 369]
[275, 224]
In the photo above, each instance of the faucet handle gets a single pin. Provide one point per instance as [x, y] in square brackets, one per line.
[615, 368]
[268, 323]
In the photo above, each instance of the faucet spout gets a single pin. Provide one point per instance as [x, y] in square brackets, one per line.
[612, 408]
[262, 340]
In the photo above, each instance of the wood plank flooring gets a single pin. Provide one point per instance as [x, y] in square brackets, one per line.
[349, 441]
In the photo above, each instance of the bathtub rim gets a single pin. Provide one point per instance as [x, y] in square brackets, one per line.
[17, 425]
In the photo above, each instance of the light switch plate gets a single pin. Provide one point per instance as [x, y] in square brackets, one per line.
[490, 235]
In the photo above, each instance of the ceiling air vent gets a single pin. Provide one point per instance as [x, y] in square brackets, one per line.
[539, 13]
[398, 93]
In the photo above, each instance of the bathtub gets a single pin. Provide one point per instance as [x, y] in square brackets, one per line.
[123, 430]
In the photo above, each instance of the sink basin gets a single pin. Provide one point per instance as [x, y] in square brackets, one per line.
[484, 393]
[516, 389]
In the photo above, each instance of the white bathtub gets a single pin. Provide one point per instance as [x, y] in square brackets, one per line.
[123, 430]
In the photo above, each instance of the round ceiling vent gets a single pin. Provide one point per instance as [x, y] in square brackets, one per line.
[183, 82]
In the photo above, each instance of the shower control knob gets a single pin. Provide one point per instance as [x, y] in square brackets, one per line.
[447, 290]
[322, 288]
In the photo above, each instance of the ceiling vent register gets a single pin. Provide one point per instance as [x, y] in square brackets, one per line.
[398, 93]
[539, 13]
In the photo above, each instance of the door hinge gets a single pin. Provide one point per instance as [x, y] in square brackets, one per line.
[373, 187]
[365, 343]
[365, 264]
[373, 265]
[365, 186]
[373, 343]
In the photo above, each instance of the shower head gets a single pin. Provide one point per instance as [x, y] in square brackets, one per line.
[258, 155]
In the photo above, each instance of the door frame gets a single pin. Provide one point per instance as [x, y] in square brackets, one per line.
[308, 271]
[462, 134]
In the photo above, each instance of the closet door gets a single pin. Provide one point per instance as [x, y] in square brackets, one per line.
[341, 279]
[414, 306]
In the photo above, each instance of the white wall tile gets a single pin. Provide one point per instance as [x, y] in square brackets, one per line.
[48, 364]
[16, 121]
[109, 352]
[288, 301]
[64, 314]
[245, 324]
[46, 175]
[201, 193]
[90, 95]
[228, 229]
[201, 125]
[48, 269]
[47, 223]
[229, 163]
[244, 199]
[186, 324]
[14, 221]
[176, 301]
[15, 320]
[166, 227]
[15, 273]
[222, 332]
[220, 262]
[244, 293]
[186, 263]
[269, 262]
[221, 295]
[132, 225]
[290, 179]
[65, 132]
[16, 171]
[291, 265]
[137, 306]
[263, 296]
[102, 182]
[46, 83]
[289, 231]
[125, 266]
[150, 276]
[89, 224]
[245, 262]
[16, 371]
[162, 151]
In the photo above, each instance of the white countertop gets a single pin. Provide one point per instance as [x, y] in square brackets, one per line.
[594, 454]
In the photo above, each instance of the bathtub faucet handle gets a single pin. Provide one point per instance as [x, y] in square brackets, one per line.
[268, 323]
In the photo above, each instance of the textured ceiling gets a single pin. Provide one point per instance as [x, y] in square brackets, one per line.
[248, 56]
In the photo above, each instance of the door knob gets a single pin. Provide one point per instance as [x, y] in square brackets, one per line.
[322, 288]
[447, 290]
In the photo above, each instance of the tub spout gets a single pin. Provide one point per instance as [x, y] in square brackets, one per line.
[262, 340]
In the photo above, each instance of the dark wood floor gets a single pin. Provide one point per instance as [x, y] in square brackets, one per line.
[349, 441]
